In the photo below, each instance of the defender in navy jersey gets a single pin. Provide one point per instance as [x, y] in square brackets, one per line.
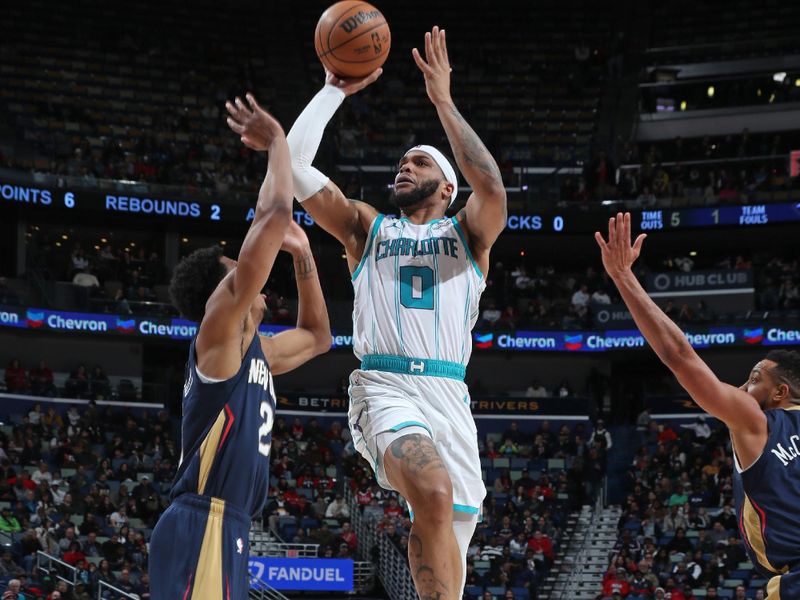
[763, 417]
[199, 548]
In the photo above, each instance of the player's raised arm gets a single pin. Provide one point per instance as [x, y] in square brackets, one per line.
[347, 220]
[735, 407]
[229, 305]
[485, 213]
[312, 336]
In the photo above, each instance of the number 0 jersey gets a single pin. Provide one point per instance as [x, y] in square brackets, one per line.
[417, 289]
[226, 433]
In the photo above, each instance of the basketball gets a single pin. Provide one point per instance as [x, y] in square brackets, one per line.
[352, 38]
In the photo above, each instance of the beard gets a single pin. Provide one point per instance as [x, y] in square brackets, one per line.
[403, 200]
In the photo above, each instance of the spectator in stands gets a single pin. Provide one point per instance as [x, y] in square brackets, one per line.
[8, 522]
[348, 536]
[42, 473]
[16, 380]
[12, 592]
[99, 385]
[700, 428]
[338, 508]
[601, 437]
[77, 386]
[536, 390]
[41, 379]
[490, 315]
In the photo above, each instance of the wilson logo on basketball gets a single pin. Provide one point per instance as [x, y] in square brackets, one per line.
[361, 17]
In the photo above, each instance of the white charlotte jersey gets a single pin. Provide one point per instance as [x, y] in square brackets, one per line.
[417, 289]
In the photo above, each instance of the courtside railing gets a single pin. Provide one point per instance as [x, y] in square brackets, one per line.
[106, 591]
[261, 590]
[392, 568]
[58, 568]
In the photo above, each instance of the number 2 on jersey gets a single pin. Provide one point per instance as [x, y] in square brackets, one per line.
[416, 287]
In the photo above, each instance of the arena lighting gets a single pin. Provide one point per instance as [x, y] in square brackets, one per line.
[184, 240]
[683, 104]
[693, 253]
[797, 82]
[710, 91]
[771, 98]
[779, 77]
[222, 242]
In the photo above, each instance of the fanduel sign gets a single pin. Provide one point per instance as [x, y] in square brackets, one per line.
[301, 574]
[728, 281]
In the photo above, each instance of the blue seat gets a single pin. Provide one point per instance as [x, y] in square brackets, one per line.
[308, 522]
[521, 593]
[473, 592]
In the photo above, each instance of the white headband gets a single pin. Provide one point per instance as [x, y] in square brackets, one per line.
[444, 165]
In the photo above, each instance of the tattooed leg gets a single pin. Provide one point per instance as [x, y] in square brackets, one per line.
[415, 469]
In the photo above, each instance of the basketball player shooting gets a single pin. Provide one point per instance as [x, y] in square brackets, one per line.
[763, 417]
[417, 282]
[199, 548]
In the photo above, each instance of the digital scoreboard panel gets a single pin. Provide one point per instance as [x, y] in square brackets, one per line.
[66, 200]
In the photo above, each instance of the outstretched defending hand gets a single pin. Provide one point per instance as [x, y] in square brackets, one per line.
[437, 68]
[353, 84]
[256, 127]
[618, 254]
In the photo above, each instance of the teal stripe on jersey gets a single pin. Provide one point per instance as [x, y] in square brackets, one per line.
[405, 424]
[466, 246]
[397, 292]
[436, 302]
[467, 332]
[368, 248]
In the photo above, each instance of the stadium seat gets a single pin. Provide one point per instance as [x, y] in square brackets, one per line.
[474, 592]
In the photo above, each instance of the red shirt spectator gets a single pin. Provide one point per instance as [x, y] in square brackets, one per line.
[667, 434]
[541, 543]
[616, 585]
[394, 509]
[16, 381]
[74, 554]
[349, 536]
[364, 497]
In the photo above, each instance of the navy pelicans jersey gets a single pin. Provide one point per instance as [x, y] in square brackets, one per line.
[227, 433]
[417, 289]
[768, 498]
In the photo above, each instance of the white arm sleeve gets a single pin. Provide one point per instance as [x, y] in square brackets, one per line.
[305, 137]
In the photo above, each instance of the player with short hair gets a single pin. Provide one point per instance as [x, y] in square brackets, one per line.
[417, 281]
[763, 417]
[199, 548]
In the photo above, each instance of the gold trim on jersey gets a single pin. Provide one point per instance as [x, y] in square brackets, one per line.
[208, 450]
[774, 587]
[208, 576]
[752, 530]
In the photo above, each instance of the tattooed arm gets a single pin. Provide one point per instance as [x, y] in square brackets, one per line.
[484, 217]
[312, 336]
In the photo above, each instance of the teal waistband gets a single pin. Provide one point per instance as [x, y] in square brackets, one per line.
[405, 365]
